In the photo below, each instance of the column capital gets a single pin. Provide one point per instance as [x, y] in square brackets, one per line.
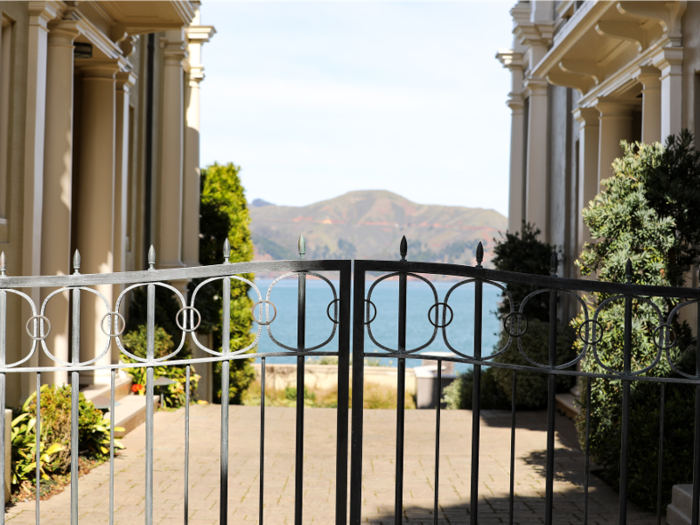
[648, 76]
[535, 86]
[63, 32]
[199, 34]
[510, 59]
[125, 80]
[587, 117]
[516, 103]
[174, 51]
[98, 69]
[614, 108]
[669, 60]
[41, 13]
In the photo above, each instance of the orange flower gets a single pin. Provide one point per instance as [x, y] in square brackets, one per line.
[136, 387]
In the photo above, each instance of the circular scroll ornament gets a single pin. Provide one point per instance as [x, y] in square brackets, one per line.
[598, 328]
[375, 312]
[328, 311]
[519, 316]
[120, 317]
[40, 318]
[446, 307]
[260, 321]
[670, 335]
[185, 309]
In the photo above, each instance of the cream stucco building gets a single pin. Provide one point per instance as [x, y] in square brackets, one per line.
[586, 75]
[99, 150]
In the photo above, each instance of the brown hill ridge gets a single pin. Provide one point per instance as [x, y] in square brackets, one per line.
[370, 224]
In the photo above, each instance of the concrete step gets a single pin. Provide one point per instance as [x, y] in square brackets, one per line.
[122, 388]
[567, 404]
[130, 412]
[681, 507]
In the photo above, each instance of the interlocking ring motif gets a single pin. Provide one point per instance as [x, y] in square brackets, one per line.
[367, 314]
[40, 318]
[328, 311]
[185, 309]
[119, 317]
[670, 332]
[260, 321]
[519, 315]
[598, 328]
[446, 307]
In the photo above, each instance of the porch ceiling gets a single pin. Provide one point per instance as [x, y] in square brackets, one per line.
[145, 17]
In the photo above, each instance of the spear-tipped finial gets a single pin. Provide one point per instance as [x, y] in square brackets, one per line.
[479, 254]
[628, 270]
[3, 265]
[403, 248]
[76, 262]
[151, 258]
[553, 264]
[301, 245]
[227, 251]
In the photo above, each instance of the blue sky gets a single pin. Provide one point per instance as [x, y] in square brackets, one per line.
[315, 99]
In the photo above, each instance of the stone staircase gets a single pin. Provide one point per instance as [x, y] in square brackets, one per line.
[129, 410]
[680, 509]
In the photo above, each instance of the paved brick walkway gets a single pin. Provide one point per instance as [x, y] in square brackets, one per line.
[378, 481]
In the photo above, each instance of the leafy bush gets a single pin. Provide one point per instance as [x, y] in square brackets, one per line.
[459, 393]
[642, 215]
[531, 389]
[174, 395]
[93, 440]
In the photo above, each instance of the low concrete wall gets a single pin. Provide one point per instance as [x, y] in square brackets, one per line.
[325, 377]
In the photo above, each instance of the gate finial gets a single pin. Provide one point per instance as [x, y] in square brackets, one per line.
[3, 265]
[628, 270]
[301, 245]
[403, 249]
[76, 262]
[479, 255]
[227, 251]
[553, 264]
[151, 258]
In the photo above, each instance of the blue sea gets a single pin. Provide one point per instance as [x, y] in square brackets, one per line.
[460, 332]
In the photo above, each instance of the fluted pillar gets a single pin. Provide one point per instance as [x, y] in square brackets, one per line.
[536, 205]
[615, 125]
[587, 167]
[96, 206]
[170, 194]
[58, 182]
[670, 62]
[516, 212]
[649, 77]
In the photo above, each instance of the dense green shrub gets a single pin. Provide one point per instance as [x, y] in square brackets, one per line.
[173, 396]
[55, 436]
[459, 394]
[531, 389]
[224, 215]
[629, 220]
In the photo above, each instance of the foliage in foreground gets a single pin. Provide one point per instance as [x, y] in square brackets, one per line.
[55, 450]
[645, 215]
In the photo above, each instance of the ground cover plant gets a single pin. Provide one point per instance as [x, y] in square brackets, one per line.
[649, 214]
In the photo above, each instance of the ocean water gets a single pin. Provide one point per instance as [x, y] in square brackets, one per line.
[460, 332]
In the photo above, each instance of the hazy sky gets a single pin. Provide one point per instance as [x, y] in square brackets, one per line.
[316, 99]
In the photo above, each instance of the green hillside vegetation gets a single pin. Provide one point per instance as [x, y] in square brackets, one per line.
[370, 224]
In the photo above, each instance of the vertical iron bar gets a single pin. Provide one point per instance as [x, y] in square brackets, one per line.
[111, 445]
[262, 442]
[299, 461]
[661, 454]
[358, 354]
[438, 392]
[225, 370]
[37, 442]
[3, 343]
[512, 449]
[551, 400]
[150, 356]
[75, 406]
[400, 402]
[476, 402]
[624, 449]
[188, 373]
[341, 468]
[588, 457]
[696, 452]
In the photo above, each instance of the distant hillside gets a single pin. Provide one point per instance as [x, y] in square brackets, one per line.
[369, 225]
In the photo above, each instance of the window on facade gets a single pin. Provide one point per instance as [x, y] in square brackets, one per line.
[5, 59]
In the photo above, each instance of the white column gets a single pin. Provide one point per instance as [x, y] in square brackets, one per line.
[58, 183]
[651, 104]
[536, 204]
[95, 226]
[170, 194]
[587, 167]
[615, 125]
[516, 213]
[670, 62]
[40, 13]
